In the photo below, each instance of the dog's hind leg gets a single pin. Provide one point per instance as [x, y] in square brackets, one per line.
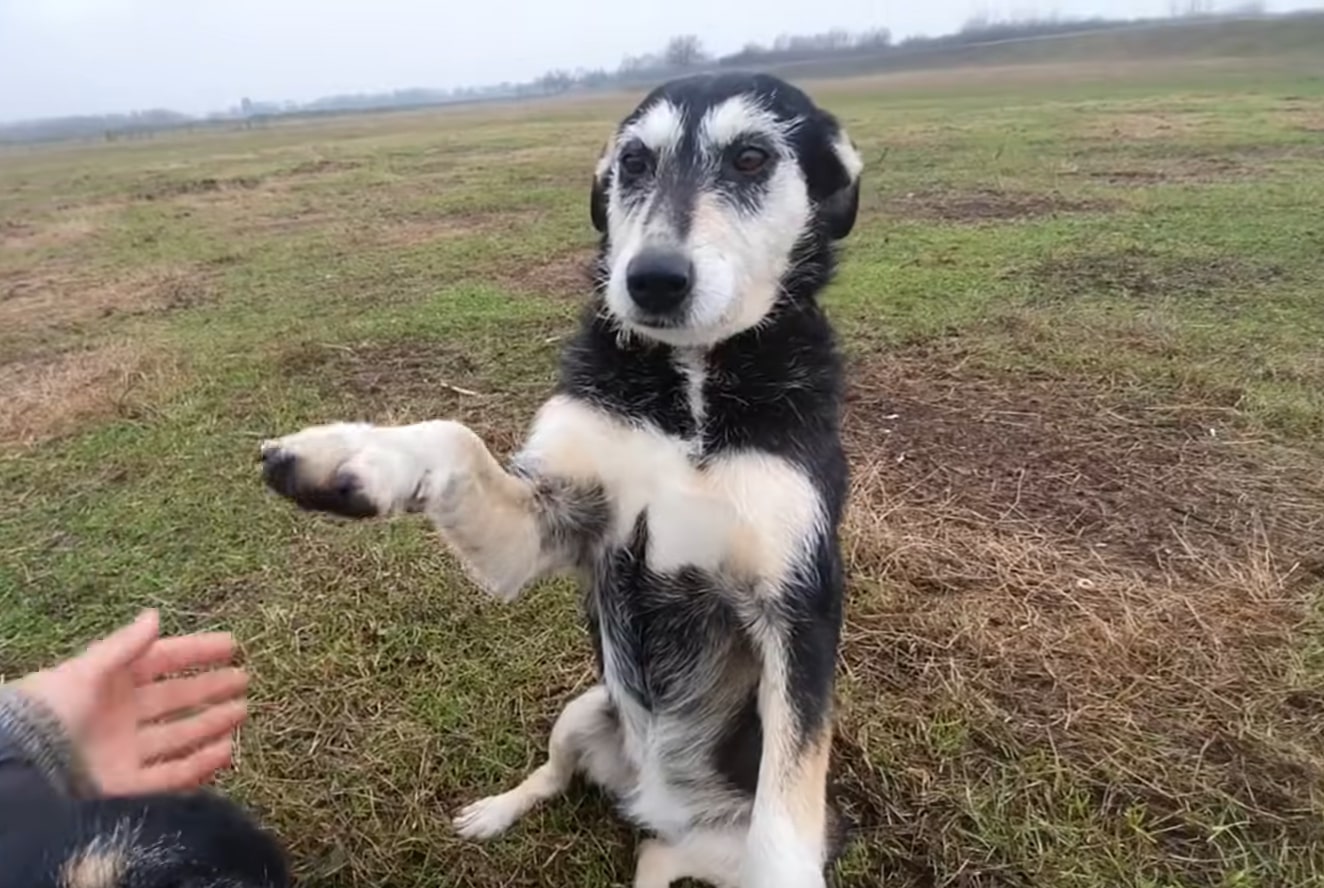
[713, 856]
[586, 738]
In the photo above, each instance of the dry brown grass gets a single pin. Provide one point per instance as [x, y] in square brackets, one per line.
[60, 297]
[1144, 125]
[61, 231]
[1144, 274]
[1054, 580]
[983, 205]
[46, 398]
[566, 274]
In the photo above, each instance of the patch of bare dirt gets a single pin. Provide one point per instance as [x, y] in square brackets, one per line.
[984, 205]
[1144, 274]
[1193, 170]
[52, 396]
[57, 299]
[569, 274]
[1129, 481]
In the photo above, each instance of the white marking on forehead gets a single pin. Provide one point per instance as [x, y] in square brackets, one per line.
[739, 116]
[660, 127]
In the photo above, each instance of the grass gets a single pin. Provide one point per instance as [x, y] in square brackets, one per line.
[1084, 645]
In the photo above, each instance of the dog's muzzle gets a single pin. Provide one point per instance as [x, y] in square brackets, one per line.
[659, 282]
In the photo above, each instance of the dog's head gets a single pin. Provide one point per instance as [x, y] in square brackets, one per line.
[709, 194]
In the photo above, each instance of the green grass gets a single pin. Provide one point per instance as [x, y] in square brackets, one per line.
[1105, 289]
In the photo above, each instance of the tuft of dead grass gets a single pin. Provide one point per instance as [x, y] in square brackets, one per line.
[53, 396]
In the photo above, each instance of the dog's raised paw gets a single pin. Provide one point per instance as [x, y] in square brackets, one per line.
[336, 468]
[488, 818]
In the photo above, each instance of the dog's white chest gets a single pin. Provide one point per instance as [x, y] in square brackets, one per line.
[747, 513]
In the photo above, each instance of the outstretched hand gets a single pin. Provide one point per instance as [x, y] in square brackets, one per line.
[137, 729]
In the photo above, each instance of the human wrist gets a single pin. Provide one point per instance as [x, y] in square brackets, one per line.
[30, 732]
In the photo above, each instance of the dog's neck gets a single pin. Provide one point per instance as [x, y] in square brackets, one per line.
[778, 382]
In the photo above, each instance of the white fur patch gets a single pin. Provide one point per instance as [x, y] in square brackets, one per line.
[848, 155]
[748, 514]
[660, 128]
[736, 117]
[693, 366]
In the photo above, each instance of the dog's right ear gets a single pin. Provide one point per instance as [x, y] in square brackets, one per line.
[597, 200]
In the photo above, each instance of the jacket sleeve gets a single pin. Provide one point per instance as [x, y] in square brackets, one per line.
[40, 772]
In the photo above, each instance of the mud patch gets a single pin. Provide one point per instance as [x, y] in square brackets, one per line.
[985, 205]
[1146, 275]
[45, 398]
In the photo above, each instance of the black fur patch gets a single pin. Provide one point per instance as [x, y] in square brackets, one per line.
[165, 841]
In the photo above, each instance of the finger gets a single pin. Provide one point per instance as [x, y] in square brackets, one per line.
[171, 739]
[164, 698]
[124, 645]
[185, 652]
[190, 772]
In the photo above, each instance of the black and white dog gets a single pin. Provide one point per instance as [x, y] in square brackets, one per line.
[689, 468]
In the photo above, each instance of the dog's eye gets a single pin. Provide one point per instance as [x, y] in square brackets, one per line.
[751, 159]
[634, 162]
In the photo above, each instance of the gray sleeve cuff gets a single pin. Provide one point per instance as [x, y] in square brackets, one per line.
[29, 732]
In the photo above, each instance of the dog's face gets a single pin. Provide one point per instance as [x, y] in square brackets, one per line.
[704, 195]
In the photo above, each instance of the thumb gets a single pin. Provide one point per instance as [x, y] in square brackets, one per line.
[124, 645]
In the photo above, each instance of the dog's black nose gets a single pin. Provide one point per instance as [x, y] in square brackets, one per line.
[659, 281]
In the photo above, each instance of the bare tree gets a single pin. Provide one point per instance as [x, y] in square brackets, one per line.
[684, 51]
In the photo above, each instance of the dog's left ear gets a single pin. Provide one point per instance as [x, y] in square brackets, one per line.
[833, 169]
[597, 199]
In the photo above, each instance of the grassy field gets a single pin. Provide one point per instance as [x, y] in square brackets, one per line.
[1083, 308]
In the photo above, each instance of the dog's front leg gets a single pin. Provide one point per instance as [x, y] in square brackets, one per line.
[507, 529]
[796, 641]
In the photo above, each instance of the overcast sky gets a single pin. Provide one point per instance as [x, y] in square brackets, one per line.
[91, 56]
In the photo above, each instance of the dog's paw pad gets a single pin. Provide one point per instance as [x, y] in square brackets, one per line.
[487, 818]
[322, 469]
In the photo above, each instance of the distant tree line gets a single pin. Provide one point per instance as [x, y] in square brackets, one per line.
[682, 53]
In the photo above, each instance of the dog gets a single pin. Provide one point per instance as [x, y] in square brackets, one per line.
[169, 840]
[688, 468]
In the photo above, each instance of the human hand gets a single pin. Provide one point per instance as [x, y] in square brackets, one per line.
[135, 730]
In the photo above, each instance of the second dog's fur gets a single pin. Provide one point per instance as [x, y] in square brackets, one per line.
[689, 469]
